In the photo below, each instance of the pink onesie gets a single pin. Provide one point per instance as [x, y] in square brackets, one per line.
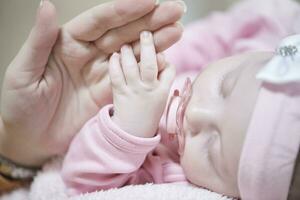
[103, 156]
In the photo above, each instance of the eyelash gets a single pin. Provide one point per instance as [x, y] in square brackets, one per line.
[220, 86]
[231, 80]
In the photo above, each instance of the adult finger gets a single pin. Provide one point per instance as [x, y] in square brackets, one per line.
[34, 54]
[165, 14]
[93, 23]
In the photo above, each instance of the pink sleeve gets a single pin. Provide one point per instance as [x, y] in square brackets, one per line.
[102, 156]
[250, 25]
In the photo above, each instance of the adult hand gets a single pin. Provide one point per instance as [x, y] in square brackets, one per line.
[60, 78]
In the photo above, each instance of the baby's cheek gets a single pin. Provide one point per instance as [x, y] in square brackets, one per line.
[192, 117]
[188, 164]
[193, 162]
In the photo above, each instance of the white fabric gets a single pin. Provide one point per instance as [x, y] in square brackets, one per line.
[48, 185]
[285, 66]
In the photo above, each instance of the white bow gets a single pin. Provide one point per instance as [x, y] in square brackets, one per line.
[284, 67]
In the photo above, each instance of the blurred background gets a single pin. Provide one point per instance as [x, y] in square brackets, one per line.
[17, 18]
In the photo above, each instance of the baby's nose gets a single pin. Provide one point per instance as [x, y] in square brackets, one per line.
[200, 117]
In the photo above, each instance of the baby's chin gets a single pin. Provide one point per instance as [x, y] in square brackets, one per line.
[203, 175]
[213, 183]
[221, 189]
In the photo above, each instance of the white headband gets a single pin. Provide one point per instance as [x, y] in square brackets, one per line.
[273, 137]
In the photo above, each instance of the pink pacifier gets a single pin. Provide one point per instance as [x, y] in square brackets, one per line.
[175, 114]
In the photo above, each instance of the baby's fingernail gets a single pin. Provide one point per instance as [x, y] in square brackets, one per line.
[157, 2]
[146, 34]
[125, 47]
[182, 4]
[146, 37]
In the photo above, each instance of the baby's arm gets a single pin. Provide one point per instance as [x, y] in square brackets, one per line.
[111, 148]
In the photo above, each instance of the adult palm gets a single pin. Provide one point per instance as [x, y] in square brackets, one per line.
[46, 99]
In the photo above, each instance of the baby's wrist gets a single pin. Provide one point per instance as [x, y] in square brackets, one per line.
[135, 128]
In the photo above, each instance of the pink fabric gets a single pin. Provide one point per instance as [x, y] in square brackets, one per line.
[250, 25]
[272, 144]
[102, 156]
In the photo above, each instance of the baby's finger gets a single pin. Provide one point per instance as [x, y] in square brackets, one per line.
[129, 65]
[167, 76]
[115, 71]
[148, 67]
[161, 62]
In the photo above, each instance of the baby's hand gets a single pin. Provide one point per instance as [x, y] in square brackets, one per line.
[139, 93]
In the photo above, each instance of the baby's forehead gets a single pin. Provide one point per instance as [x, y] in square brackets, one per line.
[250, 59]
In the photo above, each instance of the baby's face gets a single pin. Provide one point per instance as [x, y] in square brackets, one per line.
[216, 119]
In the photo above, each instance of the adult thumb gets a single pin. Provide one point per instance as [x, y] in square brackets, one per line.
[35, 52]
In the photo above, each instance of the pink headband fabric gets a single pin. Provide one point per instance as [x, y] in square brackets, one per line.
[273, 139]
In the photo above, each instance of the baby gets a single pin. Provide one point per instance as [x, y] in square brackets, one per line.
[235, 130]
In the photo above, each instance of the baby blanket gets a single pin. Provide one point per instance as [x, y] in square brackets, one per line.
[48, 185]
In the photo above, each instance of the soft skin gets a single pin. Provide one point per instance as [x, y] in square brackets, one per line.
[216, 121]
[140, 93]
[59, 79]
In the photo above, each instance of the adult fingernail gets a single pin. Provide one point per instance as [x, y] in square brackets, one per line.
[182, 4]
[42, 3]
[180, 24]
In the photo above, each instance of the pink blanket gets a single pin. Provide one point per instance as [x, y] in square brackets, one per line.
[250, 25]
[48, 185]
